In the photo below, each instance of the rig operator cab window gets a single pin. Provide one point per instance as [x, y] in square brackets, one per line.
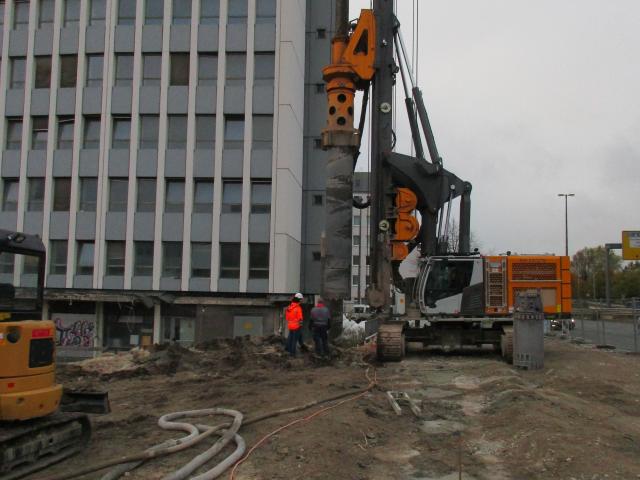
[447, 277]
[22, 302]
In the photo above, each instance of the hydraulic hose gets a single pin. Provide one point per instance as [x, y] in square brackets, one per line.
[196, 433]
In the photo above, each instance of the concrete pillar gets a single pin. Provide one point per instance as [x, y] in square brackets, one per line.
[157, 325]
[98, 339]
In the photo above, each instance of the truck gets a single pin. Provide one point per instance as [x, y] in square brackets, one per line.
[459, 297]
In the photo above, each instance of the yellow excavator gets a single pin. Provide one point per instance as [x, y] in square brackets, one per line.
[34, 433]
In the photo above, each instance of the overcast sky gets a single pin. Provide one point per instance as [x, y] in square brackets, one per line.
[529, 99]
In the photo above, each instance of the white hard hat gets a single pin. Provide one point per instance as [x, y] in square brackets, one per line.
[298, 296]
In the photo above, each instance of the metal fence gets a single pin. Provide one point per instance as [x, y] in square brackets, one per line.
[616, 326]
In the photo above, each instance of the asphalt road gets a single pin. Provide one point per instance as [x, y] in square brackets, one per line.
[617, 334]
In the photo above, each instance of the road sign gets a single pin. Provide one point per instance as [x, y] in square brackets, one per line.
[631, 245]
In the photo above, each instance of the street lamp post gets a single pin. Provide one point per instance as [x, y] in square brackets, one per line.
[566, 221]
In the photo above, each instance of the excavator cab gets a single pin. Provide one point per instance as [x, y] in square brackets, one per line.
[33, 434]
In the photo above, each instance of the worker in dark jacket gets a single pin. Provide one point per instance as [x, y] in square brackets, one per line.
[293, 315]
[320, 322]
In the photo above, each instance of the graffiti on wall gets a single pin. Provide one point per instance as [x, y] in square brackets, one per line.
[73, 330]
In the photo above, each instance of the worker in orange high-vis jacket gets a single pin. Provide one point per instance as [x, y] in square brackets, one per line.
[293, 315]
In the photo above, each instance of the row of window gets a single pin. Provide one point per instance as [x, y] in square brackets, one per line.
[143, 259]
[145, 195]
[179, 63]
[149, 127]
[126, 12]
[356, 280]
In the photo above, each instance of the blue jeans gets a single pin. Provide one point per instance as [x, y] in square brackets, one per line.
[292, 341]
[321, 340]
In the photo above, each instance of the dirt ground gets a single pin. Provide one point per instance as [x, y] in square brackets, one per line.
[579, 418]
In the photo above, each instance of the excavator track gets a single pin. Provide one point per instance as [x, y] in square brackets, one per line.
[506, 344]
[27, 447]
[391, 342]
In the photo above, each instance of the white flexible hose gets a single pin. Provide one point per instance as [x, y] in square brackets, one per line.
[196, 433]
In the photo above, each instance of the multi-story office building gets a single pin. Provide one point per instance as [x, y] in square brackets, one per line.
[161, 150]
[360, 244]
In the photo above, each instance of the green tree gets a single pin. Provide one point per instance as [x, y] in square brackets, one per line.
[588, 271]
[626, 283]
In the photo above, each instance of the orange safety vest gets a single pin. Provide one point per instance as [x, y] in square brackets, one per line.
[293, 315]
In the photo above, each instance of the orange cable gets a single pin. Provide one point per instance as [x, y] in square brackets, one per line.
[299, 420]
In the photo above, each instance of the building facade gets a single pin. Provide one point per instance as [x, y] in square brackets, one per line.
[360, 244]
[160, 148]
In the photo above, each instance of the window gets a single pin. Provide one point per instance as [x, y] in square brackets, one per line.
[229, 260]
[58, 257]
[94, 70]
[316, 256]
[153, 12]
[65, 132]
[68, 70]
[238, 11]
[91, 135]
[179, 69]
[43, 72]
[124, 69]
[264, 71]
[232, 196]
[207, 69]
[151, 68]
[118, 193]
[356, 260]
[10, 194]
[39, 130]
[356, 220]
[149, 131]
[203, 196]
[209, 12]
[7, 260]
[146, 195]
[317, 199]
[97, 12]
[367, 258]
[84, 259]
[172, 259]
[200, 260]
[174, 196]
[21, 15]
[266, 11]
[317, 143]
[45, 12]
[14, 134]
[258, 260]
[31, 264]
[233, 131]
[205, 132]
[121, 133]
[143, 259]
[177, 133]
[260, 197]
[321, 32]
[115, 258]
[71, 13]
[35, 201]
[126, 12]
[18, 66]
[61, 194]
[88, 194]
[356, 280]
[181, 12]
[236, 68]
[356, 240]
[319, 87]
[262, 132]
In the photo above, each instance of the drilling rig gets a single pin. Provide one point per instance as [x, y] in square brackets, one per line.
[460, 297]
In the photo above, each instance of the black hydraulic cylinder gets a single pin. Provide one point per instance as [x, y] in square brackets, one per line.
[413, 124]
[426, 126]
[464, 239]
